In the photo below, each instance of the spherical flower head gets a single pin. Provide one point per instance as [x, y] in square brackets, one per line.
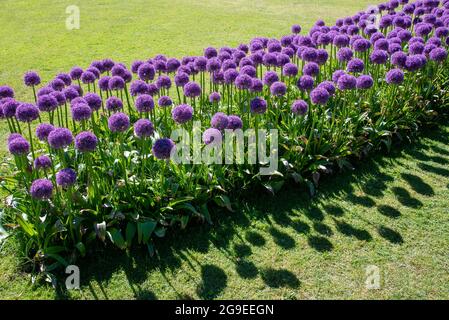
[309, 54]
[230, 75]
[416, 48]
[78, 100]
[135, 65]
[321, 56]
[57, 84]
[6, 92]
[213, 65]
[43, 130]
[70, 93]
[278, 89]
[103, 83]
[296, 29]
[269, 59]
[361, 45]
[290, 70]
[438, 54]
[379, 57]
[81, 111]
[44, 91]
[98, 65]
[346, 82]
[210, 52]
[138, 87]
[192, 89]
[146, 72]
[47, 103]
[59, 96]
[143, 128]
[270, 77]
[413, 62]
[219, 121]
[212, 136]
[162, 148]
[234, 122]
[181, 79]
[182, 113]
[319, 95]
[398, 59]
[173, 65]
[258, 105]
[152, 89]
[165, 101]
[116, 83]
[144, 103]
[76, 73]
[108, 64]
[243, 81]
[41, 189]
[9, 107]
[66, 178]
[355, 66]
[42, 162]
[423, 29]
[364, 82]
[311, 69]
[341, 41]
[336, 75]
[214, 97]
[27, 112]
[60, 138]
[118, 70]
[31, 79]
[274, 47]
[86, 141]
[93, 100]
[249, 70]
[329, 86]
[299, 107]
[442, 32]
[88, 77]
[19, 146]
[118, 122]
[115, 104]
[256, 85]
[163, 82]
[305, 83]
[395, 76]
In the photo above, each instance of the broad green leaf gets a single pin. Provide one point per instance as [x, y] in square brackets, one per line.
[81, 248]
[116, 238]
[131, 230]
[144, 231]
[26, 226]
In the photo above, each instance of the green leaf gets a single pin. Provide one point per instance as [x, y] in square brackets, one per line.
[150, 248]
[131, 230]
[53, 250]
[100, 230]
[81, 248]
[160, 232]
[205, 213]
[116, 238]
[188, 207]
[223, 201]
[26, 226]
[144, 231]
[184, 221]
[58, 258]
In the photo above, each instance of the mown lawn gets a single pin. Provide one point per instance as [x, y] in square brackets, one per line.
[390, 212]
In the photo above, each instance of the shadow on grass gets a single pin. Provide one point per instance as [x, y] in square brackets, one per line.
[291, 208]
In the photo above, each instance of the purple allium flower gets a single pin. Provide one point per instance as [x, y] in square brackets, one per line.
[309, 54]
[213, 64]
[6, 92]
[146, 72]
[66, 177]
[398, 59]
[76, 73]
[423, 29]
[346, 82]
[344, 54]
[305, 83]
[258, 105]
[181, 79]
[290, 70]
[336, 75]
[416, 48]
[243, 82]
[108, 64]
[442, 32]
[60, 138]
[152, 89]
[42, 162]
[379, 57]
[395, 76]
[278, 89]
[135, 65]
[438, 54]
[182, 113]
[238, 55]
[70, 93]
[162, 148]
[165, 101]
[296, 28]
[27, 112]
[234, 122]
[44, 90]
[143, 128]
[19, 146]
[116, 83]
[115, 104]
[214, 97]
[81, 111]
[243, 47]
[341, 40]
[88, 77]
[361, 45]
[311, 69]
[329, 86]
[394, 47]
[321, 56]
[9, 107]
[299, 107]
[210, 52]
[160, 65]
[86, 142]
[319, 95]
[128, 76]
[163, 82]
[270, 59]
[118, 70]
[78, 100]
[118, 122]
[364, 82]
[230, 75]
[212, 135]
[93, 100]
[219, 121]
[381, 44]
[249, 70]
[41, 189]
[413, 62]
[173, 65]
[355, 66]
[192, 89]
[228, 64]
[138, 87]
[270, 77]
[47, 103]
[31, 79]
[98, 65]
[43, 130]
[59, 96]
[257, 58]
[96, 72]
[256, 85]
[57, 84]
[428, 48]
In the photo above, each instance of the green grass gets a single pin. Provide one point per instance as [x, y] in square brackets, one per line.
[390, 212]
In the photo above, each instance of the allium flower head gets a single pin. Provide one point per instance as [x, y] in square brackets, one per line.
[329, 86]
[299, 107]
[296, 28]
[57, 84]
[305, 83]
[165, 101]
[143, 128]
[438, 54]
[311, 69]
[210, 52]
[346, 82]
[76, 73]
[86, 141]
[337, 74]
[146, 72]
[173, 65]
[27, 112]
[278, 89]
[19, 146]
[135, 65]
[47, 103]
[395, 76]
[81, 112]
[256, 85]
[59, 96]
[60, 138]
[361, 45]
[31, 79]
[182, 113]
[116, 83]
[212, 135]
[162, 148]
[115, 104]
[192, 89]
[70, 93]
[219, 121]
[379, 57]
[41, 189]
[344, 54]
[152, 89]
[214, 97]
[42, 162]
[6, 92]
[213, 64]
[163, 82]
[88, 77]
[66, 177]
[138, 87]
[108, 64]
[144, 103]
[181, 79]
[364, 82]
[234, 122]
[43, 130]
[258, 105]
[118, 122]
[243, 81]
[93, 100]
[319, 95]
[9, 107]
[270, 77]
[290, 70]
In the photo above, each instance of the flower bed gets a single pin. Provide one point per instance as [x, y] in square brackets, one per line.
[93, 158]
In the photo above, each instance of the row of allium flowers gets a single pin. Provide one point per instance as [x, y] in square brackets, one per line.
[92, 152]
